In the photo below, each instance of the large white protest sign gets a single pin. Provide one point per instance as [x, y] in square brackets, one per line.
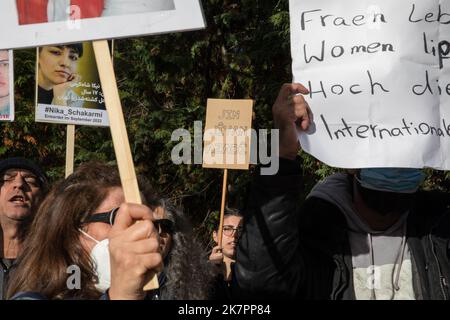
[44, 22]
[379, 81]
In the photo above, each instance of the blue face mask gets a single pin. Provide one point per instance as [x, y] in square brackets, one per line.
[399, 180]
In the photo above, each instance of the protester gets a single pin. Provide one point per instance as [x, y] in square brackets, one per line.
[22, 187]
[223, 257]
[71, 253]
[186, 275]
[57, 73]
[367, 234]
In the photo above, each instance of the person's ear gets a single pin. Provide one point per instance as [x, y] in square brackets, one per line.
[215, 236]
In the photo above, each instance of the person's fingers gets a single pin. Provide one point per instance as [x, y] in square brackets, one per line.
[305, 123]
[145, 246]
[299, 88]
[152, 262]
[217, 249]
[310, 114]
[74, 78]
[303, 115]
[128, 214]
[292, 88]
[216, 257]
[298, 99]
[301, 110]
[139, 231]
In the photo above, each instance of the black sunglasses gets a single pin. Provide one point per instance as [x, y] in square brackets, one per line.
[105, 217]
[163, 225]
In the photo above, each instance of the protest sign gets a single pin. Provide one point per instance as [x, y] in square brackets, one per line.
[45, 22]
[6, 86]
[68, 88]
[379, 81]
[227, 137]
[227, 141]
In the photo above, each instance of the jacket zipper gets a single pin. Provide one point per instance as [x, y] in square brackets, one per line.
[442, 280]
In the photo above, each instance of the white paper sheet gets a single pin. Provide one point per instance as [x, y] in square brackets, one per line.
[366, 66]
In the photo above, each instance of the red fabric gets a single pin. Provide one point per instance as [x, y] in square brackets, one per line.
[35, 11]
[32, 11]
[89, 8]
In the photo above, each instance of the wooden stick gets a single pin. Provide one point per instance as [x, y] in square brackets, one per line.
[70, 149]
[118, 131]
[222, 206]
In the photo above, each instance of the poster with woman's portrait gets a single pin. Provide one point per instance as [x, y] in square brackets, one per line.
[6, 86]
[68, 86]
[44, 22]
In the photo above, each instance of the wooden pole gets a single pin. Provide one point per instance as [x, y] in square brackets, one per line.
[222, 206]
[70, 149]
[118, 131]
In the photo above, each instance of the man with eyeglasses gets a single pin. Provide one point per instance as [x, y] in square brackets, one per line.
[22, 186]
[224, 256]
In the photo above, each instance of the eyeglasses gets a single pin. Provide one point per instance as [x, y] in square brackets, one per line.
[29, 179]
[164, 226]
[229, 230]
[105, 217]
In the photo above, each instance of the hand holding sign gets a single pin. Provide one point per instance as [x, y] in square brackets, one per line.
[134, 251]
[291, 113]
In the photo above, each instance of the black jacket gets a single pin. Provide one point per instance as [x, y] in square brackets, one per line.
[288, 252]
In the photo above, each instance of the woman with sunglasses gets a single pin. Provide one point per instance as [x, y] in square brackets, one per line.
[187, 275]
[80, 246]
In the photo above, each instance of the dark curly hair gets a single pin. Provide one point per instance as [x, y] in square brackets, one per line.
[189, 275]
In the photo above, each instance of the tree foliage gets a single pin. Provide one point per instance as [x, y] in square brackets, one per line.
[164, 82]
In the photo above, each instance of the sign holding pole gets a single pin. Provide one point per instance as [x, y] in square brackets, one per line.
[118, 130]
[227, 141]
[222, 206]
[70, 149]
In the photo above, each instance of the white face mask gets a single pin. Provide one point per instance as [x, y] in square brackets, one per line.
[100, 256]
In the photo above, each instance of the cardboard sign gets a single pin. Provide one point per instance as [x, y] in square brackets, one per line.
[379, 81]
[6, 86]
[68, 88]
[227, 137]
[43, 22]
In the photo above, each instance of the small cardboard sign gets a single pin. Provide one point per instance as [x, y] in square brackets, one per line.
[227, 138]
